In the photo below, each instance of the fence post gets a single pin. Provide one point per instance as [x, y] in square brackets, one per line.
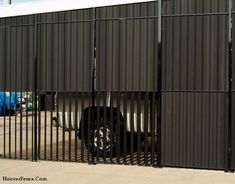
[93, 80]
[229, 130]
[35, 87]
[159, 83]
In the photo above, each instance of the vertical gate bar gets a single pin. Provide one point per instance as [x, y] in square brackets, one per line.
[230, 89]
[32, 117]
[82, 129]
[76, 127]
[117, 96]
[58, 114]
[10, 86]
[125, 129]
[125, 97]
[146, 149]
[16, 63]
[39, 126]
[27, 94]
[96, 117]
[132, 95]
[139, 129]
[159, 83]
[21, 93]
[52, 89]
[88, 128]
[63, 131]
[76, 95]
[146, 119]
[45, 86]
[21, 88]
[139, 120]
[97, 126]
[32, 120]
[35, 87]
[51, 127]
[107, 35]
[93, 55]
[64, 89]
[153, 108]
[153, 130]
[105, 94]
[39, 99]
[4, 128]
[118, 127]
[69, 123]
[111, 127]
[70, 86]
[110, 112]
[51, 124]
[45, 129]
[132, 127]
[16, 131]
[57, 126]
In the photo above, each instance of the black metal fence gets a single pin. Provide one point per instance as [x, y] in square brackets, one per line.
[145, 84]
[195, 91]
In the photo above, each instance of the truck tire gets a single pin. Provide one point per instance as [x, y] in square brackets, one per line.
[103, 140]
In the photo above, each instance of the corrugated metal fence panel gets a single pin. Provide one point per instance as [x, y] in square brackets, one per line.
[16, 62]
[127, 47]
[195, 53]
[233, 86]
[194, 102]
[194, 130]
[65, 51]
[194, 6]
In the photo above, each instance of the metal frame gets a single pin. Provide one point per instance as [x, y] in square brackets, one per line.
[230, 75]
[159, 88]
[97, 93]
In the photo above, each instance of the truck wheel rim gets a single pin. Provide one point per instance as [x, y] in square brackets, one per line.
[100, 136]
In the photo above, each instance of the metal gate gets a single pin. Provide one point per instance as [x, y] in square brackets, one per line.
[140, 84]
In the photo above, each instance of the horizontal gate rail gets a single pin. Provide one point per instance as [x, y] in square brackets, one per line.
[196, 14]
[195, 91]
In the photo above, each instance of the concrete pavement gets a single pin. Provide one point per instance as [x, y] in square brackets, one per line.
[69, 173]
